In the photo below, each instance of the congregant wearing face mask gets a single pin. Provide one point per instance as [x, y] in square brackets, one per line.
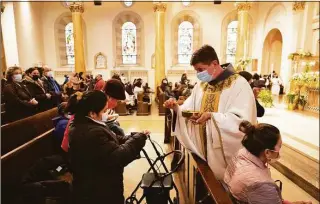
[19, 103]
[223, 100]
[248, 176]
[36, 88]
[97, 155]
[51, 86]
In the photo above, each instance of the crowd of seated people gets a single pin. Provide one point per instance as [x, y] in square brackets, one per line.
[181, 90]
[132, 90]
[35, 90]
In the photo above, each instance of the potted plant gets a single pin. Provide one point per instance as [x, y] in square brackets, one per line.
[290, 99]
[266, 99]
[302, 102]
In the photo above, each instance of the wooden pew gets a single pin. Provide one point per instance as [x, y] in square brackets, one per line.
[143, 108]
[16, 163]
[2, 107]
[121, 108]
[162, 99]
[19, 132]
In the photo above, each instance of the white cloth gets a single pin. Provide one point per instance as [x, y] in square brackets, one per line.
[275, 89]
[136, 90]
[129, 99]
[236, 104]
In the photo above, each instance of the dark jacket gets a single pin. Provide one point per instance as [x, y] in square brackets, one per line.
[97, 159]
[49, 85]
[38, 92]
[16, 98]
[260, 109]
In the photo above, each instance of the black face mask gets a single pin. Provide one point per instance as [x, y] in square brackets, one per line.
[35, 77]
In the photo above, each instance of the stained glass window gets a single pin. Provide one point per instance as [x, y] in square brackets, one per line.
[129, 43]
[127, 3]
[185, 42]
[231, 42]
[69, 43]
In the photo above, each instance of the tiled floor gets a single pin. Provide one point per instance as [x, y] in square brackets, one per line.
[155, 124]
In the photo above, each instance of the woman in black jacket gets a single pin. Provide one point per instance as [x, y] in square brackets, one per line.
[97, 155]
[36, 89]
[19, 103]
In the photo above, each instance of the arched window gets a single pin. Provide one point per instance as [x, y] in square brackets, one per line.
[185, 42]
[69, 43]
[129, 42]
[231, 42]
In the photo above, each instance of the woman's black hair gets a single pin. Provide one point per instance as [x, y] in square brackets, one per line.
[30, 70]
[82, 104]
[259, 137]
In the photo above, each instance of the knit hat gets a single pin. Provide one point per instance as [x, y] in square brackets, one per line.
[115, 89]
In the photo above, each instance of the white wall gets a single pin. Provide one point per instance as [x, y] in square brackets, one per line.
[36, 36]
[9, 35]
[28, 24]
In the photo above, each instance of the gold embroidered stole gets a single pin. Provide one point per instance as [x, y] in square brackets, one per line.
[210, 103]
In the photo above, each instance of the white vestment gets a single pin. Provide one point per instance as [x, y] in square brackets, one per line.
[232, 101]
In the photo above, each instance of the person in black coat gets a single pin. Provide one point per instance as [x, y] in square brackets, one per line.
[19, 103]
[248, 77]
[97, 155]
[36, 89]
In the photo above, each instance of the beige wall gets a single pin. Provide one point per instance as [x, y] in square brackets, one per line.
[28, 21]
[36, 35]
[9, 35]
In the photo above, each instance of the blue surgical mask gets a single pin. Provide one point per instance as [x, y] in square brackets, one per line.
[17, 77]
[204, 76]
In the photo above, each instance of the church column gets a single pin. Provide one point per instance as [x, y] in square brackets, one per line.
[298, 26]
[3, 55]
[77, 10]
[159, 9]
[243, 30]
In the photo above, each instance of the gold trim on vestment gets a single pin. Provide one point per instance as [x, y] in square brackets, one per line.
[210, 103]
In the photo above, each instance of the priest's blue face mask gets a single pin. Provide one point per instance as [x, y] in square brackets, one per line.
[204, 76]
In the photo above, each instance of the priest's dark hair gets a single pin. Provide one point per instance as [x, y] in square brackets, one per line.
[259, 137]
[206, 54]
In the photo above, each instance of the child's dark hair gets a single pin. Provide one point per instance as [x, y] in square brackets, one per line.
[81, 104]
[259, 137]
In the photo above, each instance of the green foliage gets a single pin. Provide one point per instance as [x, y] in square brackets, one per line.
[265, 97]
[290, 97]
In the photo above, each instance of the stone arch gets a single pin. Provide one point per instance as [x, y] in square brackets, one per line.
[233, 16]
[194, 19]
[118, 21]
[60, 38]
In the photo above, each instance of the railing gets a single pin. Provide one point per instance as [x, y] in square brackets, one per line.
[196, 178]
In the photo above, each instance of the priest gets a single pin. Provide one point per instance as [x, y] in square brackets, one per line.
[223, 99]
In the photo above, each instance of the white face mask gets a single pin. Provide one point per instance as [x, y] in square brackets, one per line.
[49, 74]
[17, 77]
[104, 117]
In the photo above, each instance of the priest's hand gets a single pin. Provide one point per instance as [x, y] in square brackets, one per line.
[201, 118]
